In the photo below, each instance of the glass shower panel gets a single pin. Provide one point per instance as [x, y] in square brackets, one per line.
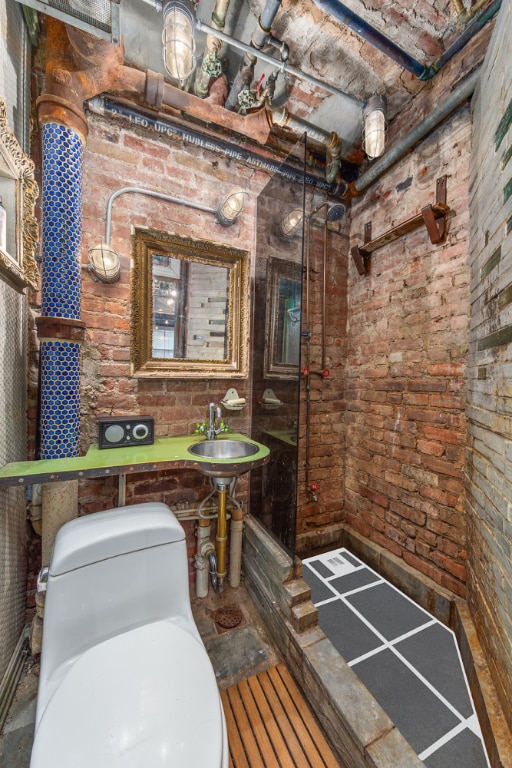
[276, 335]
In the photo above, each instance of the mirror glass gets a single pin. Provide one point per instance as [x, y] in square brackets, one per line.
[189, 307]
[283, 319]
[18, 193]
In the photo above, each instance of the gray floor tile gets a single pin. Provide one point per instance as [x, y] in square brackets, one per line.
[433, 653]
[420, 716]
[350, 581]
[319, 591]
[349, 635]
[463, 751]
[321, 568]
[388, 611]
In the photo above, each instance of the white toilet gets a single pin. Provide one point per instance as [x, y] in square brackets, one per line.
[125, 679]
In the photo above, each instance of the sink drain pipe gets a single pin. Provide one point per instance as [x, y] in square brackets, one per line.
[205, 557]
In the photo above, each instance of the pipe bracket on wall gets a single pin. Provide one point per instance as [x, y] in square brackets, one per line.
[434, 216]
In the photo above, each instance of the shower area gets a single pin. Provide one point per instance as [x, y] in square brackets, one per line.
[297, 353]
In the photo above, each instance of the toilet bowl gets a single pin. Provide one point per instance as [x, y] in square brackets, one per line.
[125, 679]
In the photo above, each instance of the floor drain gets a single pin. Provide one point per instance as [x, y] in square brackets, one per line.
[228, 617]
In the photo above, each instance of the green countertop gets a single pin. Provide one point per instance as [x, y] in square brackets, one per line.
[165, 453]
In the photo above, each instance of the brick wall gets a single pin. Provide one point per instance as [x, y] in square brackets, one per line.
[489, 465]
[318, 520]
[406, 363]
[117, 156]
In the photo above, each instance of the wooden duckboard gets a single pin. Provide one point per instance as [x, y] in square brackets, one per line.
[270, 725]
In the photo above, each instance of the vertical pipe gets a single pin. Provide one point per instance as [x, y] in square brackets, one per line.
[235, 549]
[222, 535]
[203, 537]
[324, 280]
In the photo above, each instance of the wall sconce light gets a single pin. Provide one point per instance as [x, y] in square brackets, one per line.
[374, 116]
[290, 225]
[231, 207]
[178, 40]
[104, 263]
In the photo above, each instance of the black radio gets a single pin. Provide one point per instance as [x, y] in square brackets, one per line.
[117, 431]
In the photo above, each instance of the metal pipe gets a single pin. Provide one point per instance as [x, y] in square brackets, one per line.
[455, 99]
[110, 108]
[465, 16]
[150, 193]
[401, 57]
[235, 548]
[204, 546]
[471, 30]
[282, 66]
[372, 35]
[221, 536]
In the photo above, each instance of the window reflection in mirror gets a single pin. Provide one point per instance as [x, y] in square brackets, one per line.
[282, 333]
[190, 310]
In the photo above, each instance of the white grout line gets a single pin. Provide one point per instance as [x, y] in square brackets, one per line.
[390, 643]
[443, 740]
[472, 722]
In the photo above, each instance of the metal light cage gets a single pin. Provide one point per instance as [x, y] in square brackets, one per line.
[179, 47]
[98, 17]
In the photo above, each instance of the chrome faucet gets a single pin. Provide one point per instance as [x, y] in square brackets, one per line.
[210, 429]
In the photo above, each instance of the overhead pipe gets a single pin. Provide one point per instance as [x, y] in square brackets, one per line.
[245, 74]
[372, 35]
[471, 30]
[106, 107]
[335, 148]
[393, 51]
[464, 15]
[462, 92]
[282, 66]
[211, 66]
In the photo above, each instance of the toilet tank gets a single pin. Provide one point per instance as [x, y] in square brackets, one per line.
[111, 572]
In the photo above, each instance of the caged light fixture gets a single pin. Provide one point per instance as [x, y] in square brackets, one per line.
[374, 116]
[178, 40]
[231, 207]
[104, 263]
[290, 225]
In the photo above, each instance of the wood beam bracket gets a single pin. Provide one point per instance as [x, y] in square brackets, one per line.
[434, 217]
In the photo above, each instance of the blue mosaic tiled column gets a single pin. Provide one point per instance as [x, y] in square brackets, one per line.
[62, 232]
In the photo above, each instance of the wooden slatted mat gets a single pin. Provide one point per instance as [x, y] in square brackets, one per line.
[270, 725]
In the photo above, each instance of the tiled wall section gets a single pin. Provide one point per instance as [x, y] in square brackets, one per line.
[490, 362]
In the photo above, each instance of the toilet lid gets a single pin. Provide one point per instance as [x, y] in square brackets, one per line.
[146, 698]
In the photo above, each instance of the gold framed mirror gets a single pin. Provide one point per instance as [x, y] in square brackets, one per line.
[189, 307]
[18, 191]
[283, 319]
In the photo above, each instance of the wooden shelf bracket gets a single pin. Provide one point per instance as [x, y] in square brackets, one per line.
[434, 217]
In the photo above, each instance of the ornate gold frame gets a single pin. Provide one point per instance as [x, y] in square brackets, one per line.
[19, 270]
[144, 243]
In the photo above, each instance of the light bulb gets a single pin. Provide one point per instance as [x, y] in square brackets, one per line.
[375, 126]
[178, 41]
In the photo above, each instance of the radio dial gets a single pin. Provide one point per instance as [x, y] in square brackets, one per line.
[140, 431]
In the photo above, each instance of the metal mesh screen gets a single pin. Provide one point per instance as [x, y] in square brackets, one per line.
[97, 13]
[12, 447]
[14, 87]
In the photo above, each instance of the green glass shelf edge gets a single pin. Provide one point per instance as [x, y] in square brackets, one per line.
[284, 435]
[164, 453]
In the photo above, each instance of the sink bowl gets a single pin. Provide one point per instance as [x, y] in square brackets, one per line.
[224, 449]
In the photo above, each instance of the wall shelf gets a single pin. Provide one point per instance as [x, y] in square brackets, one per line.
[434, 217]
